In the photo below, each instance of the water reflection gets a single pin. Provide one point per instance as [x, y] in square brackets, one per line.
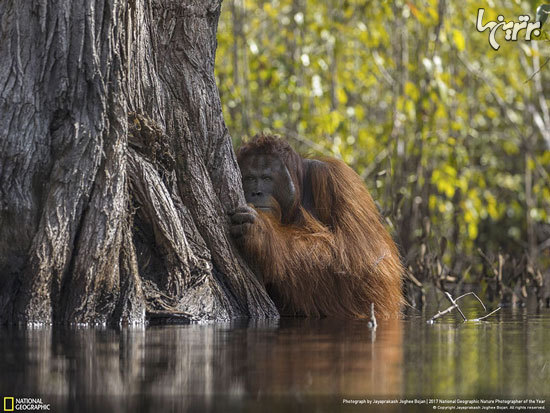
[507, 355]
[287, 364]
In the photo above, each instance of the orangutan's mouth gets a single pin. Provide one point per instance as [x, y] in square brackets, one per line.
[263, 208]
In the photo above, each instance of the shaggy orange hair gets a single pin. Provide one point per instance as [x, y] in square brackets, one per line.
[334, 258]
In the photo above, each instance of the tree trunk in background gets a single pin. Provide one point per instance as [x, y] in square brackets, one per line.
[116, 168]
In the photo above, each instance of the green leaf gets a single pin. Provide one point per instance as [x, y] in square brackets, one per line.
[459, 40]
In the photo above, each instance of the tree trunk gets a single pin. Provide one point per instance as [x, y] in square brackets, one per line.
[116, 168]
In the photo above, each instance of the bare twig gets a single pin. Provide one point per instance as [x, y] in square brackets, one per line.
[490, 262]
[308, 142]
[537, 70]
[373, 165]
[415, 281]
[486, 315]
[475, 295]
[385, 74]
[441, 313]
[455, 305]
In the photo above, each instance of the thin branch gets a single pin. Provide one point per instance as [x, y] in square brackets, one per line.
[415, 281]
[383, 154]
[486, 258]
[313, 145]
[441, 313]
[537, 71]
[487, 315]
[475, 295]
[449, 296]
[455, 305]
[385, 74]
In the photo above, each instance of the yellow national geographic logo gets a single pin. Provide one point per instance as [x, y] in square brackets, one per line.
[8, 404]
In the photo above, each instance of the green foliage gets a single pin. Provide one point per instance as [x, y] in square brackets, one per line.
[413, 97]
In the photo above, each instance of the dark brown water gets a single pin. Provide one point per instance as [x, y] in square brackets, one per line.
[289, 365]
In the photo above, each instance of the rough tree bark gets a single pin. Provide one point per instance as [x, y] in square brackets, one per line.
[116, 168]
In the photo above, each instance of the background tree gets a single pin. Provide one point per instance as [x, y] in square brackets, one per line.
[116, 168]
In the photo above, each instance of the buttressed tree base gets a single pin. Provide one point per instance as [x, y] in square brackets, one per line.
[116, 168]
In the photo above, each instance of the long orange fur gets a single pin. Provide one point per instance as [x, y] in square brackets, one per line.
[336, 263]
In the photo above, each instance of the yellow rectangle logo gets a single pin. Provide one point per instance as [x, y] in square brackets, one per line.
[8, 404]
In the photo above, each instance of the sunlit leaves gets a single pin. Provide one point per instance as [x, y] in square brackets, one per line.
[450, 115]
[458, 38]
